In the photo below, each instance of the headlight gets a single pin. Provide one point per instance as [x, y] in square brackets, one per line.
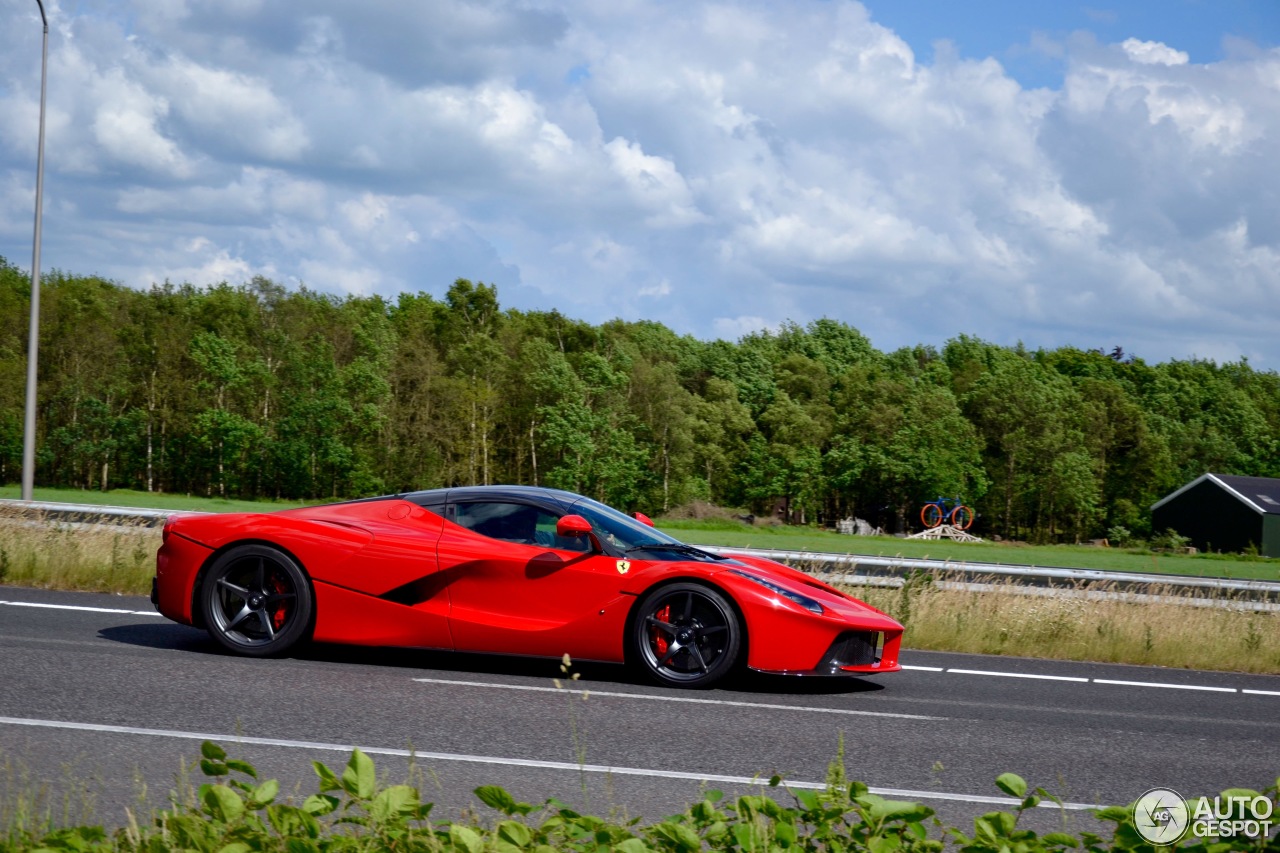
[803, 600]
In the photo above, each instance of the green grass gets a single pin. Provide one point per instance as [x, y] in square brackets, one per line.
[733, 534]
[720, 533]
[150, 500]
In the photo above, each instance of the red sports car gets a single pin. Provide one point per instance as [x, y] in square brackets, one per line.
[509, 570]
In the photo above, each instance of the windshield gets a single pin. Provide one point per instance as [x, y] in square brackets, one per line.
[620, 531]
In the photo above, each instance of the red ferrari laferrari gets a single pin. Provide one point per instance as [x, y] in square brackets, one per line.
[509, 570]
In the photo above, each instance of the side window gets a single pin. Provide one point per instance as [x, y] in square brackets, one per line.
[506, 521]
[512, 522]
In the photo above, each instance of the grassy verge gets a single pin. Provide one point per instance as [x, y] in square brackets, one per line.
[149, 500]
[92, 559]
[1065, 556]
[235, 811]
[1008, 621]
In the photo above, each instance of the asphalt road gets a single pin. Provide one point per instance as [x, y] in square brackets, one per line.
[103, 700]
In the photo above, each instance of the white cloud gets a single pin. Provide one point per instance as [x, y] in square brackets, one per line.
[655, 185]
[367, 212]
[720, 167]
[205, 262]
[733, 328]
[254, 194]
[126, 126]
[1154, 53]
[656, 291]
[238, 111]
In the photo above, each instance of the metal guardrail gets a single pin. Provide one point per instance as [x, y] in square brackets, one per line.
[89, 513]
[864, 568]
[1041, 575]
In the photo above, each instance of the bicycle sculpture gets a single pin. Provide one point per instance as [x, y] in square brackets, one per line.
[950, 511]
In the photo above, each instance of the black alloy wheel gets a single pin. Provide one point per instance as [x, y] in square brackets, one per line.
[686, 635]
[256, 601]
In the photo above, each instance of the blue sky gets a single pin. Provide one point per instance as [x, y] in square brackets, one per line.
[1052, 173]
[1008, 30]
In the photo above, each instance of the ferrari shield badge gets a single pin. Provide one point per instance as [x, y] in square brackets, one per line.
[624, 566]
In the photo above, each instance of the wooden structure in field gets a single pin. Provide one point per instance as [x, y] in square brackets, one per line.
[945, 531]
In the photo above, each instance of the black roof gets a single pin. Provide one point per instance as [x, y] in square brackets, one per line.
[1261, 494]
[537, 494]
[472, 492]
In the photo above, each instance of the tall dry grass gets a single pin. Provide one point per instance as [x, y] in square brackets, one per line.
[1167, 629]
[31, 801]
[94, 558]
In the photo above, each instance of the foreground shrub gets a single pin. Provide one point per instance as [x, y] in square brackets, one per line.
[235, 813]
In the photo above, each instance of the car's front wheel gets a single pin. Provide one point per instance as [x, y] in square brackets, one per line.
[686, 635]
[256, 600]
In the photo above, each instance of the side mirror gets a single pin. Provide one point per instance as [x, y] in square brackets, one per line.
[576, 525]
[643, 519]
[573, 525]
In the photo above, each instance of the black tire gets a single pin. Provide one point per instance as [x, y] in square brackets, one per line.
[256, 601]
[685, 635]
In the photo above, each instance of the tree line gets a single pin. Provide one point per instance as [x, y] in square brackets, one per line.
[262, 392]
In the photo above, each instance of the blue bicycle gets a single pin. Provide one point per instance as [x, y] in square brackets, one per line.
[951, 511]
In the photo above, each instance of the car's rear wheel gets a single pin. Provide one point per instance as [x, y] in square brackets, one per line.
[256, 600]
[686, 635]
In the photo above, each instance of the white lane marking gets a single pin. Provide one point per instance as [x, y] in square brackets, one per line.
[778, 707]
[511, 762]
[78, 607]
[1018, 675]
[685, 699]
[1162, 684]
[1173, 687]
[1081, 680]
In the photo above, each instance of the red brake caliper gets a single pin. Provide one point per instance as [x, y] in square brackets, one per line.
[659, 640]
[282, 609]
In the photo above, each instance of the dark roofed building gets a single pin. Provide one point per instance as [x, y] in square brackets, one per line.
[1222, 512]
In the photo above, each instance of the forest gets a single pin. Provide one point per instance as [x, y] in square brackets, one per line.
[265, 392]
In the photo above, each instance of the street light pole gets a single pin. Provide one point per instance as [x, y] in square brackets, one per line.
[29, 424]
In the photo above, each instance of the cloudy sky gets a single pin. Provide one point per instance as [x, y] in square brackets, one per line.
[1053, 173]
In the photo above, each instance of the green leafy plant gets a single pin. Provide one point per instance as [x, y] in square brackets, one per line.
[234, 812]
[1170, 540]
[1120, 536]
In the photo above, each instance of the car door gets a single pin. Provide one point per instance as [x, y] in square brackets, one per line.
[515, 587]
[391, 592]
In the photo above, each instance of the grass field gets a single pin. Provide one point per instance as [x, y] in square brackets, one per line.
[1064, 556]
[148, 500]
